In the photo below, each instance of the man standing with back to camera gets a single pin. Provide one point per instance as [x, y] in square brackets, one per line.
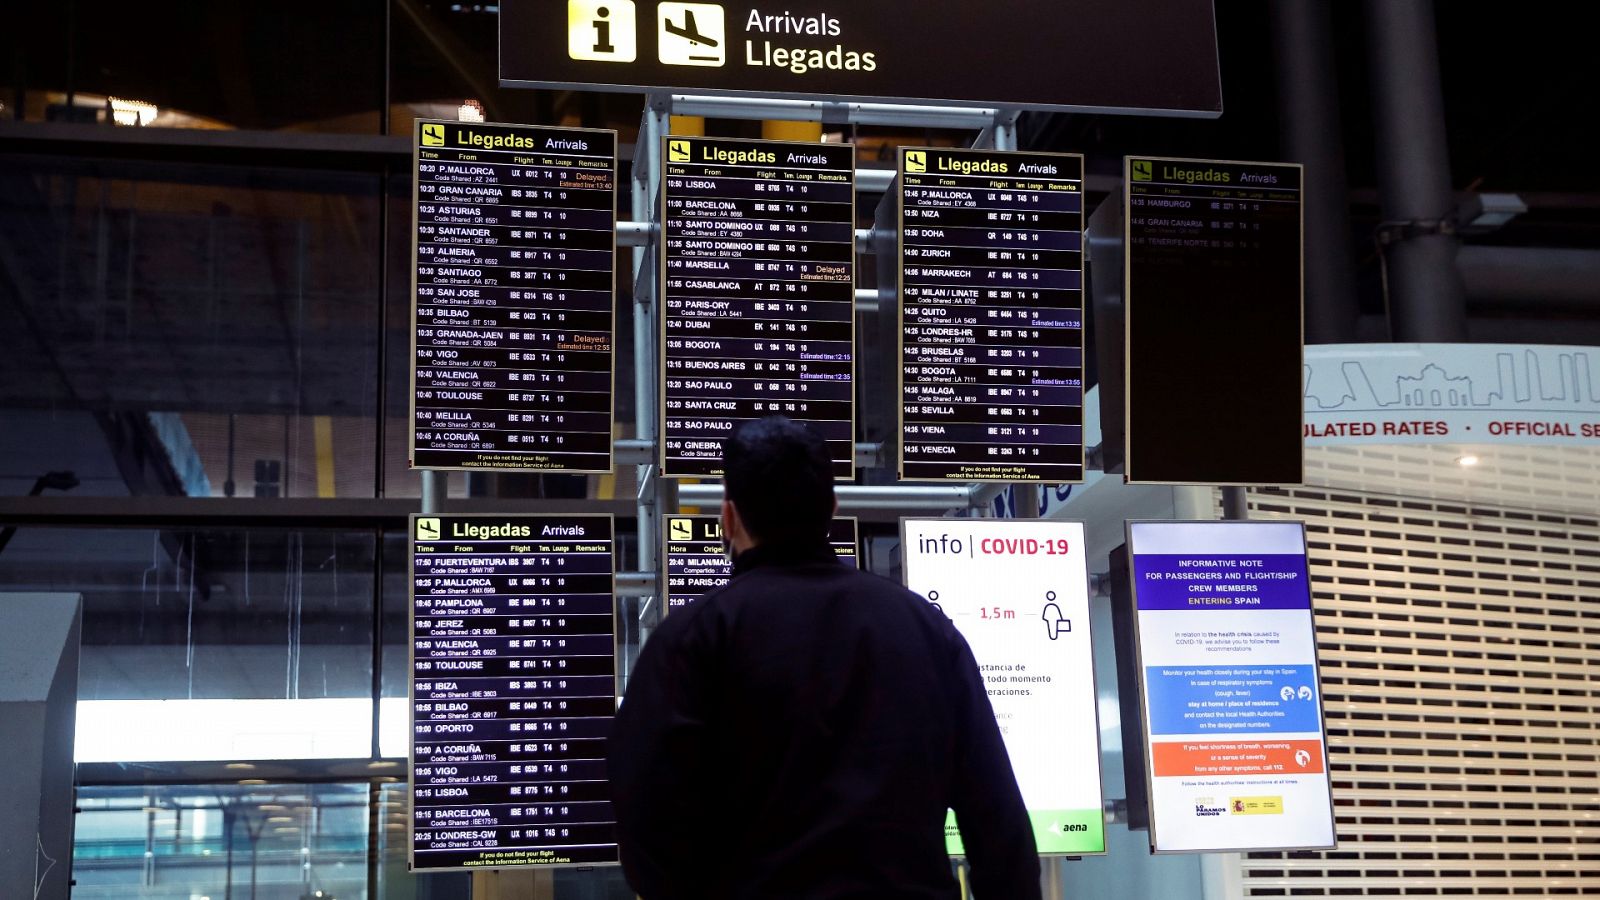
[800, 733]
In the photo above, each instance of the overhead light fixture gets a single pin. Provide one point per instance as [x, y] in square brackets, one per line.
[131, 112]
[1483, 213]
[470, 111]
[1467, 461]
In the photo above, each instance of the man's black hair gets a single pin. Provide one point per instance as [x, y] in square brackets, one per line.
[779, 476]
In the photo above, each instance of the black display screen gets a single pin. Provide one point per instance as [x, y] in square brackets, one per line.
[758, 290]
[991, 316]
[1007, 53]
[697, 564]
[513, 689]
[512, 319]
[1213, 295]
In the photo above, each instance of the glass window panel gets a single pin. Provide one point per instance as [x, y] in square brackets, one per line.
[293, 64]
[187, 330]
[213, 644]
[184, 842]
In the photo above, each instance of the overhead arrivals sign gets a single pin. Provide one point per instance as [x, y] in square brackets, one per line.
[513, 689]
[991, 315]
[1019, 593]
[1213, 286]
[1006, 53]
[512, 316]
[1236, 751]
[697, 561]
[758, 295]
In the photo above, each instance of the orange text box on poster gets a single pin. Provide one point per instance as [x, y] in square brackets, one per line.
[1213, 758]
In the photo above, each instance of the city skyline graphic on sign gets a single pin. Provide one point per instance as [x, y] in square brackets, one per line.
[1551, 379]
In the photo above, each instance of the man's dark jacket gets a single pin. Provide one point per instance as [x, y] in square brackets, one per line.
[800, 733]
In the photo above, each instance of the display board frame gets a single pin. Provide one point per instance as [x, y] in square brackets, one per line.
[416, 201]
[411, 670]
[667, 540]
[662, 374]
[1089, 659]
[1129, 362]
[1143, 725]
[899, 189]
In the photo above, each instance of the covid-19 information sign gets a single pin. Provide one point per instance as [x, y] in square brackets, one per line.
[1018, 592]
[1236, 757]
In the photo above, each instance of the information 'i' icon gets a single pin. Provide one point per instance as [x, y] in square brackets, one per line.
[602, 30]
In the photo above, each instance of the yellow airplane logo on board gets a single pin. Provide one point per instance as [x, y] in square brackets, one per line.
[916, 161]
[678, 151]
[680, 529]
[433, 135]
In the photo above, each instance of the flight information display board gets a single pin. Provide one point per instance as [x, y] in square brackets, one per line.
[1236, 754]
[758, 288]
[513, 688]
[1019, 593]
[512, 314]
[697, 563]
[991, 316]
[1213, 288]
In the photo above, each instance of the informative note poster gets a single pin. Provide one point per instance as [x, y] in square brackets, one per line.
[758, 295]
[513, 688]
[1018, 592]
[1236, 752]
[697, 563]
[512, 319]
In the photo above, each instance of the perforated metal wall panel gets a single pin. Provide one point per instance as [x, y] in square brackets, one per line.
[1460, 648]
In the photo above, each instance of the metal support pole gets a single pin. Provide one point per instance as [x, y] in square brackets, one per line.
[655, 125]
[1426, 299]
[1002, 135]
[1235, 503]
[1193, 502]
[435, 488]
[1054, 889]
[1308, 107]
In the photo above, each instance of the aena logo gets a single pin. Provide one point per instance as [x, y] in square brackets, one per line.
[916, 161]
[602, 30]
[433, 135]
